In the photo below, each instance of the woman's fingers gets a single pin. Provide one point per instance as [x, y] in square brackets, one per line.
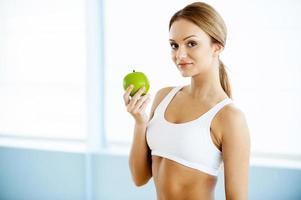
[140, 102]
[136, 105]
[126, 96]
[136, 97]
[144, 104]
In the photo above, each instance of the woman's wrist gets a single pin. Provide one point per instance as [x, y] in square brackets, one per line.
[141, 124]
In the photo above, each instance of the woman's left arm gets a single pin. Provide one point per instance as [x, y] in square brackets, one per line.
[236, 153]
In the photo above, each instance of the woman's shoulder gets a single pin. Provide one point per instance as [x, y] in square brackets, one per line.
[231, 120]
[231, 112]
[160, 95]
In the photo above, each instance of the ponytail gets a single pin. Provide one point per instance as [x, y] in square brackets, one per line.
[224, 80]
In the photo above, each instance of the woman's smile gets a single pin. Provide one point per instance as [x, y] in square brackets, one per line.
[184, 65]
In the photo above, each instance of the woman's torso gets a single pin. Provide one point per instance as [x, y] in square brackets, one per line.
[176, 182]
[172, 179]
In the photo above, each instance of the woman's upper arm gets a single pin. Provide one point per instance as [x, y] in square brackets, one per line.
[236, 153]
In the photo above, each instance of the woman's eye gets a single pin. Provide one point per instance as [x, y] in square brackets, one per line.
[191, 44]
[174, 45]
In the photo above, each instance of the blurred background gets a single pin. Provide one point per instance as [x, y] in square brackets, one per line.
[64, 131]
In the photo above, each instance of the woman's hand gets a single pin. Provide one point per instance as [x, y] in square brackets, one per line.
[136, 105]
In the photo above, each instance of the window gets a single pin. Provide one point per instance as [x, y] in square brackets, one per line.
[50, 69]
[261, 54]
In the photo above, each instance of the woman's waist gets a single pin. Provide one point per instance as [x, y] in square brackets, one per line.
[179, 191]
[175, 180]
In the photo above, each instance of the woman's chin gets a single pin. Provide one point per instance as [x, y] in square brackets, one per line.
[185, 74]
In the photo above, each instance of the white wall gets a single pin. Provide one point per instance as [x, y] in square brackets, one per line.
[261, 54]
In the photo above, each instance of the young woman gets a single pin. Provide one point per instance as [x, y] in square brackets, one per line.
[192, 129]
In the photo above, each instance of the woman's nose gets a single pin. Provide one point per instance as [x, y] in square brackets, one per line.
[181, 54]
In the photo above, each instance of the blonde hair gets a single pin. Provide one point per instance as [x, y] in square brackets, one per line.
[209, 20]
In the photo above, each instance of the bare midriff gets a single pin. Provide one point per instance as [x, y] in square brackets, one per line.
[174, 181]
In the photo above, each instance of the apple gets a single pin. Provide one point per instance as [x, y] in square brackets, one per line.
[138, 80]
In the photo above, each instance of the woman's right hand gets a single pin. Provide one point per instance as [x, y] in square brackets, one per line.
[136, 105]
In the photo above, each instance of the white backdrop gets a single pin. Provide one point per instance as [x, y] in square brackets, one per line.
[261, 53]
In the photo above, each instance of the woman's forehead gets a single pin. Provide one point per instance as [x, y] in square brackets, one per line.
[181, 29]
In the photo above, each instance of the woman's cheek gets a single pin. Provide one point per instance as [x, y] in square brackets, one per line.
[173, 57]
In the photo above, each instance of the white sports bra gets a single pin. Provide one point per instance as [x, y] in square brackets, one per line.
[187, 143]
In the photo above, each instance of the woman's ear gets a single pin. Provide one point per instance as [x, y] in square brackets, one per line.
[217, 49]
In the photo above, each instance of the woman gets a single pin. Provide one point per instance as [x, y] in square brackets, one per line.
[192, 129]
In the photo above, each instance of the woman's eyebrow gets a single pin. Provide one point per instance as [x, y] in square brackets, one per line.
[184, 38]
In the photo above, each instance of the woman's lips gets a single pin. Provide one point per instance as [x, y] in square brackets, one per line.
[184, 65]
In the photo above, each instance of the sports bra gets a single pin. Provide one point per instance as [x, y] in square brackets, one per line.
[187, 143]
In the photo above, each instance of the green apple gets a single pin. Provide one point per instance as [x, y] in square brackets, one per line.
[138, 80]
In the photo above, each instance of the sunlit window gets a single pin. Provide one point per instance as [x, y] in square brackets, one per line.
[43, 65]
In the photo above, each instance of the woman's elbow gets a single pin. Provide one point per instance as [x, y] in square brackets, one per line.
[140, 174]
[140, 181]
[141, 178]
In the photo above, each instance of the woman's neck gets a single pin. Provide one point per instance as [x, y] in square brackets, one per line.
[206, 86]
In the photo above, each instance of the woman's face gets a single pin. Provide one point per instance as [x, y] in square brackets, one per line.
[191, 48]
